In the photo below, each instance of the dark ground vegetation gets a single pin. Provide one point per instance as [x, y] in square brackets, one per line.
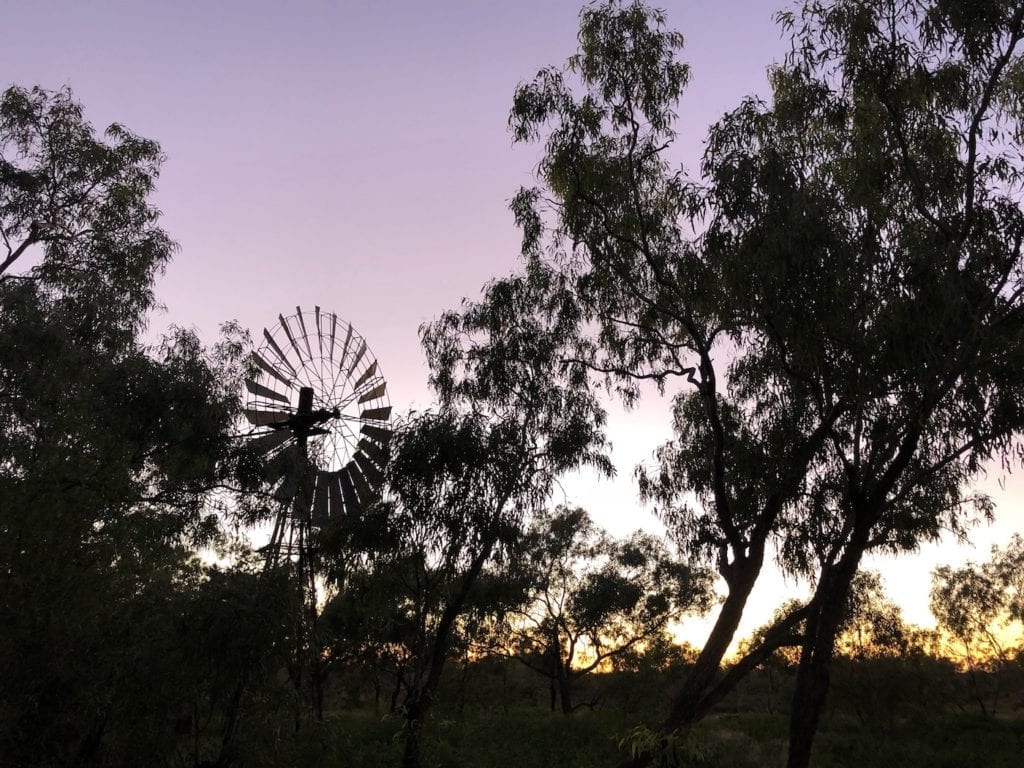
[912, 712]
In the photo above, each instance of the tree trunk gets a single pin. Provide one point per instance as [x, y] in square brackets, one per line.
[397, 690]
[565, 689]
[415, 712]
[421, 696]
[687, 708]
[812, 679]
[693, 702]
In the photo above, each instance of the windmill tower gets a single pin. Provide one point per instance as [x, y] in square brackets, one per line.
[319, 409]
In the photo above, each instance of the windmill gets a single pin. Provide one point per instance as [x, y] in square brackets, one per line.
[319, 411]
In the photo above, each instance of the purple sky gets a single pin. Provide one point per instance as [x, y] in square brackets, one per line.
[355, 155]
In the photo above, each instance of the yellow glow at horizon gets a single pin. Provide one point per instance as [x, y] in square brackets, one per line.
[614, 504]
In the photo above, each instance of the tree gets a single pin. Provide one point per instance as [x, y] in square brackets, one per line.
[875, 650]
[839, 294]
[109, 451]
[971, 605]
[589, 598]
[886, 140]
[873, 624]
[458, 486]
[76, 208]
[1008, 569]
[508, 426]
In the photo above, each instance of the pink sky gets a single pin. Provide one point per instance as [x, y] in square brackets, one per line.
[355, 155]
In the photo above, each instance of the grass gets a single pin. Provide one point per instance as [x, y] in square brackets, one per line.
[531, 737]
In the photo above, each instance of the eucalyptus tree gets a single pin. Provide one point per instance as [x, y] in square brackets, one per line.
[75, 211]
[462, 481]
[588, 598]
[975, 607]
[609, 251]
[452, 504]
[109, 449]
[836, 301]
[877, 195]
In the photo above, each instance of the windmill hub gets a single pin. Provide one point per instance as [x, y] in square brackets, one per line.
[306, 421]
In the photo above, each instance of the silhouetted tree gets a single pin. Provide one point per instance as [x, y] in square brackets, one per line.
[886, 139]
[458, 488]
[975, 605]
[588, 598]
[845, 322]
[520, 426]
[109, 450]
[872, 624]
[873, 646]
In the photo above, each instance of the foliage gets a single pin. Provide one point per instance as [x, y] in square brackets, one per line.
[458, 485]
[856, 265]
[976, 606]
[111, 453]
[786, 652]
[873, 624]
[494, 736]
[588, 599]
[1008, 567]
[666, 751]
[883, 158]
[76, 208]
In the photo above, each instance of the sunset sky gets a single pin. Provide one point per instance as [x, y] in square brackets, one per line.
[355, 155]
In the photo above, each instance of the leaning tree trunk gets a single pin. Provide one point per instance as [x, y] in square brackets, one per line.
[693, 700]
[812, 679]
[422, 696]
[689, 705]
[565, 688]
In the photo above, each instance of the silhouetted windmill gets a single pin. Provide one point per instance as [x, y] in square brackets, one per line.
[320, 409]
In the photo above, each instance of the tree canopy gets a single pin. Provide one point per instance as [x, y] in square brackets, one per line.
[587, 598]
[835, 296]
[111, 451]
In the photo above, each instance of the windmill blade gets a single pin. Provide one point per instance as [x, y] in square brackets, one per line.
[261, 391]
[363, 490]
[370, 471]
[264, 444]
[359, 356]
[366, 374]
[319, 331]
[287, 464]
[288, 333]
[374, 393]
[279, 352]
[376, 414]
[337, 502]
[377, 454]
[320, 494]
[348, 492]
[267, 367]
[305, 333]
[344, 349]
[381, 434]
[334, 327]
[260, 418]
